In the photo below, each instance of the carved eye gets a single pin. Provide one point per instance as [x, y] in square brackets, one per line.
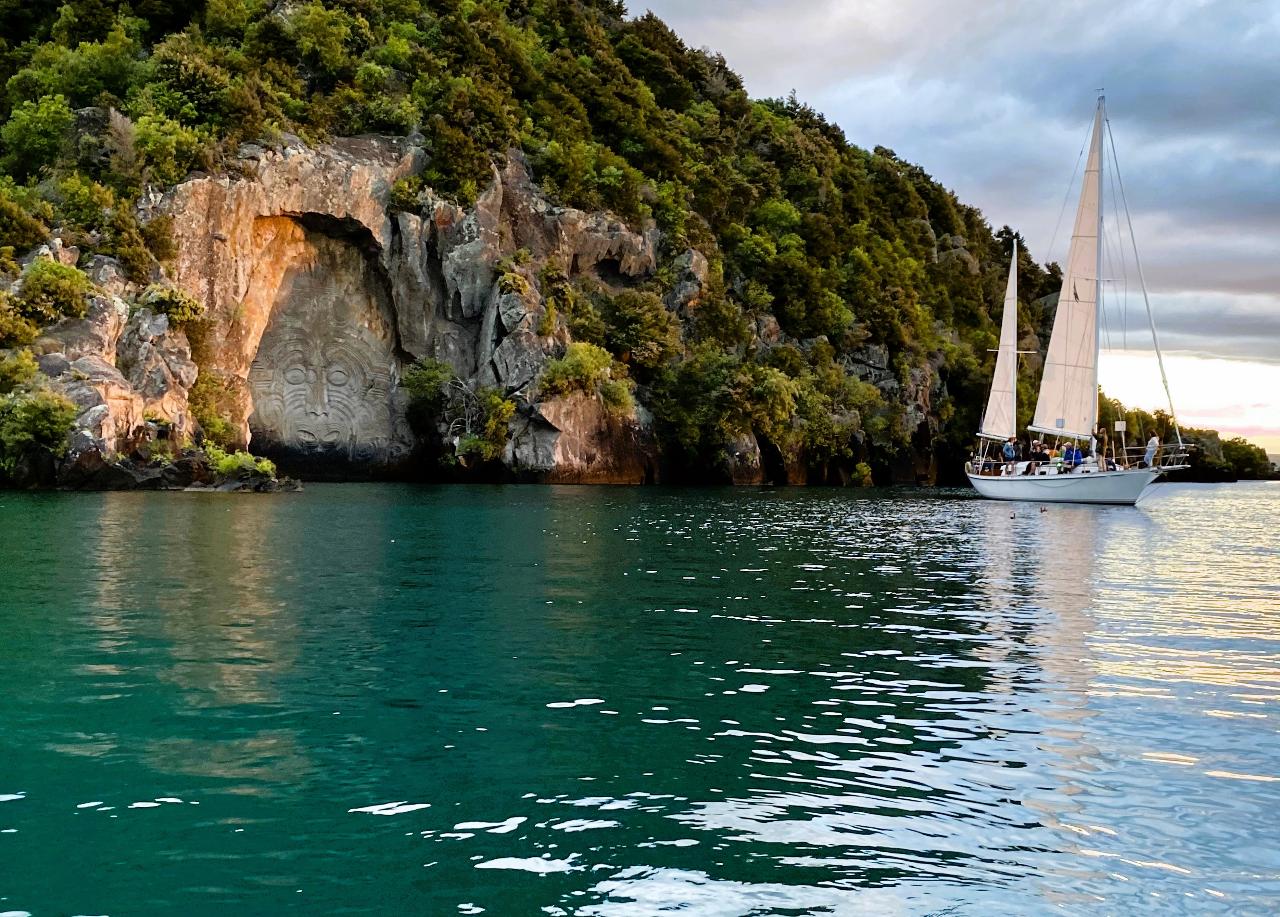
[295, 375]
[338, 376]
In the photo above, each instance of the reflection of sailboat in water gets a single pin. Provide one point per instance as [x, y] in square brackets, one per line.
[1042, 599]
[1037, 597]
[1067, 407]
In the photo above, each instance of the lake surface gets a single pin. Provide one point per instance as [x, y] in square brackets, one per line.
[624, 701]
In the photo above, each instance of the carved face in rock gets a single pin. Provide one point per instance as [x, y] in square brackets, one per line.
[323, 395]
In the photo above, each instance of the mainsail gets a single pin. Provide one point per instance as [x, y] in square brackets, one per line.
[1068, 402]
[1001, 418]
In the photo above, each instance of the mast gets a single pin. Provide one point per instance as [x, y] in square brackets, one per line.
[1097, 324]
[1000, 421]
[1067, 406]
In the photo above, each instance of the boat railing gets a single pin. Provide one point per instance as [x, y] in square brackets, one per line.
[1170, 458]
[1167, 458]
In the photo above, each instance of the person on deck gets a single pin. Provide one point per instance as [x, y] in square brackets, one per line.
[1037, 457]
[1153, 445]
[1010, 453]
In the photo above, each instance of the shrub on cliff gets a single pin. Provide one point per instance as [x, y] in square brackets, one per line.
[582, 368]
[475, 419]
[16, 330]
[427, 383]
[238, 464]
[52, 290]
[168, 148]
[16, 369]
[37, 421]
[181, 308]
[20, 229]
[591, 369]
[490, 436]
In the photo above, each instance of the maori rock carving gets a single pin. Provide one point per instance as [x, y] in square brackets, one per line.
[324, 379]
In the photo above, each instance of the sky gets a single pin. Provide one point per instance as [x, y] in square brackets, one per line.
[994, 99]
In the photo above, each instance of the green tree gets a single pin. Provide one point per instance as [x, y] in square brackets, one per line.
[1245, 459]
[35, 135]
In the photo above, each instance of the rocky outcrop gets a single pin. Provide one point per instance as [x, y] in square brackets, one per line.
[156, 360]
[691, 279]
[574, 439]
[318, 297]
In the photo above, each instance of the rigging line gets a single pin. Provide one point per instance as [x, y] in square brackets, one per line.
[1053, 240]
[1124, 266]
[1155, 338]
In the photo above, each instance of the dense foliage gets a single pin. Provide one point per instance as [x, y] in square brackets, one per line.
[32, 423]
[868, 266]
[471, 420]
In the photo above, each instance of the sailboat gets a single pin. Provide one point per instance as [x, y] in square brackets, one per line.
[1067, 405]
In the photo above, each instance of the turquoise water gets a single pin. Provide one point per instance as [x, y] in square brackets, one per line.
[524, 700]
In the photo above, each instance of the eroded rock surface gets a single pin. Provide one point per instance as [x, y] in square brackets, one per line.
[319, 297]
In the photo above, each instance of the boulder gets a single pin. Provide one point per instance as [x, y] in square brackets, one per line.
[518, 360]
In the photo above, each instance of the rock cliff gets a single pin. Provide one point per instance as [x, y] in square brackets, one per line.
[319, 295]
[321, 285]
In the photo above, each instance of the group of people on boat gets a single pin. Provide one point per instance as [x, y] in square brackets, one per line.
[1023, 457]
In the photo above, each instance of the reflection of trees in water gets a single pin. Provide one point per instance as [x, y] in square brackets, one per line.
[209, 622]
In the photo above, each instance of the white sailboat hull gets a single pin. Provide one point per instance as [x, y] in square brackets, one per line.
[1116, 487]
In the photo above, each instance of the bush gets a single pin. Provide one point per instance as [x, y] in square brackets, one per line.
[16, 330]
[617, 397]
[210, 401]
[425, 382]
[181, 308]
[404, 194]
[83, 203]
[158, 236]
[490, 439]
[35, 135]
[236, 464]
[477, 419]
[51, 290]
[168, 149]
[16, 369]
[40, 420]
[19, 229]
[124, 242]
[582, 368]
